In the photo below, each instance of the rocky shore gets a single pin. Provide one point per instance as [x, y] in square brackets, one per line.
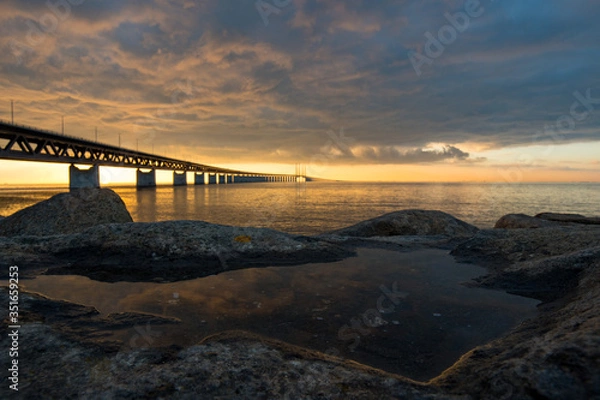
[59, 236]
[65, 352]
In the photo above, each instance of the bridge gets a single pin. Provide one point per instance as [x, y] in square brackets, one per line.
[18, 142]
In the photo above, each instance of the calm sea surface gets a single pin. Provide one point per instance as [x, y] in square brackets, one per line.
[317, 207]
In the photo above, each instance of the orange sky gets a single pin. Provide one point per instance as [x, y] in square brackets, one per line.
[515, 97]
[19, 173]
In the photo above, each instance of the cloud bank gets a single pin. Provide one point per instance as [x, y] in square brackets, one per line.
[224, 81]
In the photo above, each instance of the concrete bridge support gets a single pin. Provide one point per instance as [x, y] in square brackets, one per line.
[199, 179]
[84, 178]
[146, 179]
[179, 179]
[212, 179]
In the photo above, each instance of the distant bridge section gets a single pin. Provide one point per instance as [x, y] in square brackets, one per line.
[31, 144]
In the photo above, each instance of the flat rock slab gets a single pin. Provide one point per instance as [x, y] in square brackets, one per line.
[499, 248]
[545, 279]
[409, 222]
[569, 218]
[544, 220]
[522, 221]
[79, 323]
[164, 251]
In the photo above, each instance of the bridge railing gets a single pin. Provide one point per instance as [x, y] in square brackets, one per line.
[136, 152]
[34, 128]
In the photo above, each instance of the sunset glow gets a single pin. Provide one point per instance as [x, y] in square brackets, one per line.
[365, 91]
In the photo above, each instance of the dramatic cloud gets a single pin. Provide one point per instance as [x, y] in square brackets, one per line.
[227, 81]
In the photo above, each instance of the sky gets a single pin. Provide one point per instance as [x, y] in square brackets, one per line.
[405, 90]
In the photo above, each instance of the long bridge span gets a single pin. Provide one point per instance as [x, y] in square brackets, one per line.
[18, 142]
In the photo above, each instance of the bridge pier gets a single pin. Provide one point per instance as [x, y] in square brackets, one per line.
[146, 179]
[179, 179]
[199, 179]
[84, 178]
[252, 179]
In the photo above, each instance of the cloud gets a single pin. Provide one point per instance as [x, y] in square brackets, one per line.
[211, 77]
[396, 155]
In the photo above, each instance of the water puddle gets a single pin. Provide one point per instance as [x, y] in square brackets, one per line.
[402, 312]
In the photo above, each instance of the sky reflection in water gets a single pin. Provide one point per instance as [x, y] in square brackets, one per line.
[324, 307]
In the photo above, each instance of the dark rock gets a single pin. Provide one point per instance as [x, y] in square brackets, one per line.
[67, 213]
[410, 222]
[546, 279]
[569, 218]
[77, 322]
[553, 356]
[499, 248]
[231, 365]
[171, 251]
[520, 221]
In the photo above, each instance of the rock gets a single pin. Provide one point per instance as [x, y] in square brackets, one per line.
[76, 322]
[543, 220]
[569, 218]
[545, 279]
[553, 356]
[410, 222]
[67, 213]
[557, 354]
[63, 362]
[520, 221]
[245, 366]
[171, 250]
[499, 248]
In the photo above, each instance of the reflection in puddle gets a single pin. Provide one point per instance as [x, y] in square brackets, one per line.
[428, 318]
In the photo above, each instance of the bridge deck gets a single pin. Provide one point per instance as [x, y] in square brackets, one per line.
[31, 144]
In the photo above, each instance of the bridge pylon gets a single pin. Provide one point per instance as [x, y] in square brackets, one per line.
[84, 178]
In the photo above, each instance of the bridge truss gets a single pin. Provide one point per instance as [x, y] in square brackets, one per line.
[31, 144]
